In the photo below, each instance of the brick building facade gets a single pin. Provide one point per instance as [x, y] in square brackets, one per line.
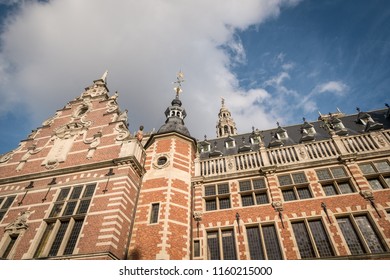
[81, 186]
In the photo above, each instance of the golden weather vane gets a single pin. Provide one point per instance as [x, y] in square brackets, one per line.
[179, 81]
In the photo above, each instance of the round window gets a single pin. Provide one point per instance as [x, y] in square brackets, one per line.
[162, 160]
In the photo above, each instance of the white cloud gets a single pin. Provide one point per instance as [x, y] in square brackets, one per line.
[51, 51]
[336, 87]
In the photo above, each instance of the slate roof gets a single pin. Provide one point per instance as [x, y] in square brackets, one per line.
[243, 142]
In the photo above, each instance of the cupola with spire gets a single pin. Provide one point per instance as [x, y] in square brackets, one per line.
[175, 113]
[225, 125]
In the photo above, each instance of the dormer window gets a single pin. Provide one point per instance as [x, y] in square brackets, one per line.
[230, 143]
[281, 133]
[255, 140]
[205, 148]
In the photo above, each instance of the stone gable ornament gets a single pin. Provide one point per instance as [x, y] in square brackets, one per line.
[19, 224]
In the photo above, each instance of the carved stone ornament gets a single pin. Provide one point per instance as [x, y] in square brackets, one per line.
[20, 223]
[123, 132]
[98, 88]
[82, 109]
[277, 205]
[50, 120]
[6, 157]
[380, 139]
[112, 106]
[197, 216]
[367, 194]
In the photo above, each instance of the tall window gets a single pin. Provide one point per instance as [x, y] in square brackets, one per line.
[63, 226]
[294, 186]
[360, 235]
[5, 203]
[312, 239]
[154, 212]
[9, 246]
[253, 192]
[263, 242]
[221, 245]
[377, 174]
[334, 181]
[217, 197]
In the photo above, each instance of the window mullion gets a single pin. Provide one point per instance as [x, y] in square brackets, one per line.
[263, 245]
[359, 233]
[313, 243]
[66, 237]
[51, 238]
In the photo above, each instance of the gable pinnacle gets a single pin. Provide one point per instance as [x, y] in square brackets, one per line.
[104, 76]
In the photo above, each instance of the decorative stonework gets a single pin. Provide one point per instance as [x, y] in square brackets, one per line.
[93, 143]
[197, 216]
[6, 157]
[122, 131]
[50, 120]
[379, 139]
[19, 224]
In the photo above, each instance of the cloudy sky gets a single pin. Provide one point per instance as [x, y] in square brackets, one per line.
[276, 60]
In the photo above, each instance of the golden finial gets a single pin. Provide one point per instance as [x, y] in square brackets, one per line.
[179, 80]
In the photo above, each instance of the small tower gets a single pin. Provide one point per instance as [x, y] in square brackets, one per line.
[225, 125]
[164, 215]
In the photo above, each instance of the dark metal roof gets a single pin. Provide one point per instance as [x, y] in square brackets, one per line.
[353, 126]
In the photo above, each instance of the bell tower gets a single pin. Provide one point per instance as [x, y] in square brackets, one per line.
[225, 125]
[163, 220]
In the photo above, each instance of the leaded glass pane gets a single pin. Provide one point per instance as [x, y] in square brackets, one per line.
[338, 172]
[247, 200]
[228, 245]
[8, 202]
[154, 213]
[9, 247]
[69, 209]
[284, 180]
[209, 190]
[56, 209]
[329, 190]
[323, 174]
[211, 205]
[366, 168]
[375, 184]
[350, 236]
[73, 237]
[345, 187]
[245, 186]
[76, 192]
[262, 198]
[223, 188]
[196, 248]
[303, 240]
[259, 184]
[83, 206]
[299, 178]
[271, 243]
[369, 234]
[43, 242]
[63, 194]
[254, 243]
[304, 193]
[224, 203]
[289, 195]
[324, 247]
[89, 190]
[58, 239]
[213, 246]
[382, 166]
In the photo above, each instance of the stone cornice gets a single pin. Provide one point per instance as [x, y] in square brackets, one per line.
[79, 168]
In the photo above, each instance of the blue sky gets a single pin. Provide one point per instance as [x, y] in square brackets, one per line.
[271, 60]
